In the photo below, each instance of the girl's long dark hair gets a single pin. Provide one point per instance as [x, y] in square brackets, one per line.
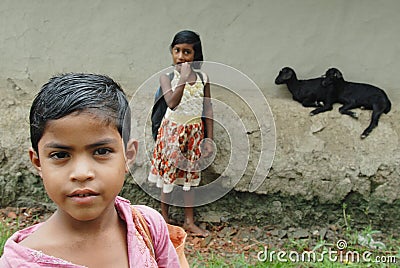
[190, 37]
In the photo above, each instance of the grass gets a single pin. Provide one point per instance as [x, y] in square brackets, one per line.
[293, 249]
[354, 254]
[243, 262]
[5, 233]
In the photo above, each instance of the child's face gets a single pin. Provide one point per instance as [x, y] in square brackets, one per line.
[82, 163]
[182, 53]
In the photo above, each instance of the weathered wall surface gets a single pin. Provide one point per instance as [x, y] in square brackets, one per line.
[129, 39]
[320, 162]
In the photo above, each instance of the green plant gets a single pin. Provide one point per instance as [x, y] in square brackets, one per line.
[5, 233]
[346, 218]
[298, 245]
[322, 245]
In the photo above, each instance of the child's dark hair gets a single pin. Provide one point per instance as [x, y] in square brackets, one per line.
[190, 37]
[77, 92]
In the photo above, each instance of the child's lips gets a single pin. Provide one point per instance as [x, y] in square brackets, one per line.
[83, 193]
[82, 197]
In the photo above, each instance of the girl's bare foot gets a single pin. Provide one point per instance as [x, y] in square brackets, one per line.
[195, 230]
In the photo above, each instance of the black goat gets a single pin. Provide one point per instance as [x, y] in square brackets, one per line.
[357, 95]
[310, 92]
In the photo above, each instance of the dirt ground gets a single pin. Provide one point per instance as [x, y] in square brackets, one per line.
[226, 241]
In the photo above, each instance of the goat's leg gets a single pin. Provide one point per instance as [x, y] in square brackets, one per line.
[376, 114]
[326, 107]
[311, 102]
[345, 109]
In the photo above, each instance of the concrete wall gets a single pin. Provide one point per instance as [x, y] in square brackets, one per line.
[129, 39]
[320, 162]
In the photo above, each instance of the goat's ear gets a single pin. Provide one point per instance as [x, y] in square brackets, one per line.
[338, 75]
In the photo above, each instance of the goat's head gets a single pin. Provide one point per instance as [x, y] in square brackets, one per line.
[284, 75]
[331, 76]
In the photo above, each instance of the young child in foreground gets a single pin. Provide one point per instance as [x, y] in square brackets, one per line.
[81, 148]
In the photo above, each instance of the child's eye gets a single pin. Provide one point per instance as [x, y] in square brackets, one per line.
[188, 52]
[102, 151]
[59, 155]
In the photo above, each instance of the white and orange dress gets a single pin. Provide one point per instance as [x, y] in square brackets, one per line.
[176, 154]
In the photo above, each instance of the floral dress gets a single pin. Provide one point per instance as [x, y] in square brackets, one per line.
[176, 154]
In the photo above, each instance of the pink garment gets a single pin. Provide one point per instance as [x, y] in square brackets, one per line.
[16, 255]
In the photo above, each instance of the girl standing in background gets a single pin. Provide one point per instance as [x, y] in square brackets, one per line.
[180, 140]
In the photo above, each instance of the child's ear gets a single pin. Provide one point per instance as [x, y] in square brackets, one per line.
[130, 153]
[33, 155]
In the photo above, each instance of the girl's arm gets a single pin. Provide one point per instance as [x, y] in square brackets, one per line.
[208, 111]
[173, 98]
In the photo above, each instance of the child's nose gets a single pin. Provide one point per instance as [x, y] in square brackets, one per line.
[82, 170]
